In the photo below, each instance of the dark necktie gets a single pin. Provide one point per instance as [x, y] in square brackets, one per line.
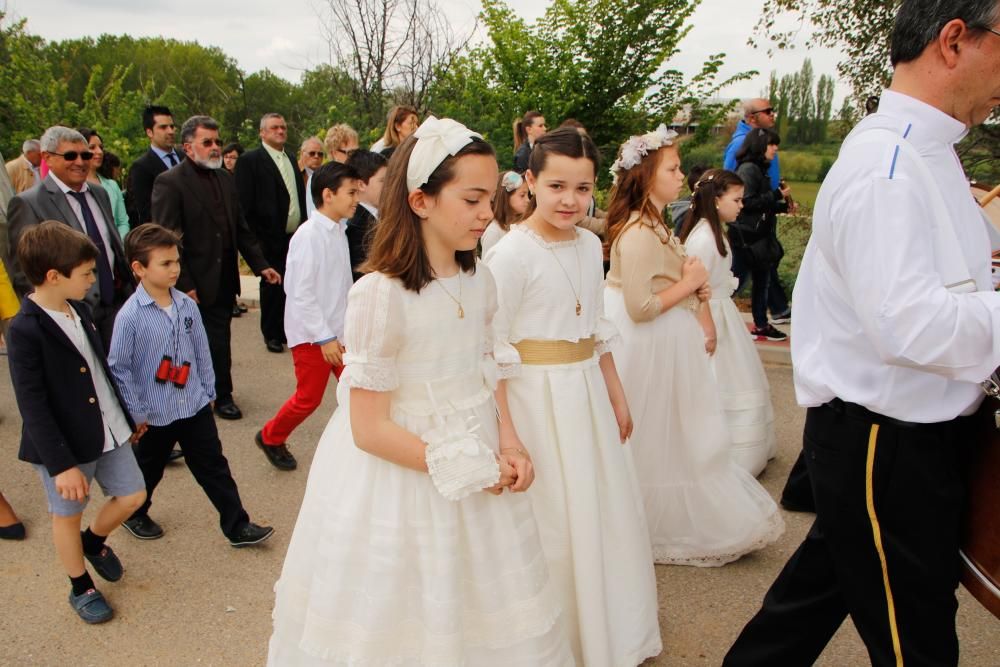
[105, 279]
[172, 158]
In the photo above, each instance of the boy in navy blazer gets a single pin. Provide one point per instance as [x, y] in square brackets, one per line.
[76, 428]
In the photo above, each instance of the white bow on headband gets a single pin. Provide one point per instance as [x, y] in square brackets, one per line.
[436, 140]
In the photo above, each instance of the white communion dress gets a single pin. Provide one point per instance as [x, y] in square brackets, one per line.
[494, 232]
[739, 374]
[586, 496]
[702, 508]
[382, 569]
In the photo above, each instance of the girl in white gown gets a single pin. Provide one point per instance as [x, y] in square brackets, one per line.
[410, 548]
[702, 508]
[509, 205]
[739, 374]
[568, 407]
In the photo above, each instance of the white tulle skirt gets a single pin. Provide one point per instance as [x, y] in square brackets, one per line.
[383, 570]
[589, 509]
[701, 507]
[743, 387]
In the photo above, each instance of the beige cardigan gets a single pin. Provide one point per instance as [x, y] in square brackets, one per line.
[645, 260]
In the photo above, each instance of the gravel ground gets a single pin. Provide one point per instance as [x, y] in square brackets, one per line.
[191, 599]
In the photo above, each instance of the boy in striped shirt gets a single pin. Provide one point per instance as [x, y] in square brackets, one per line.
[162, 366]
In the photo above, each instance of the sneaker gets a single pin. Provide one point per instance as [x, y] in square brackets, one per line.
[782, 318]
[143, 527]
[768, 333]
[250, 534]
[107, 564]
[91, 606]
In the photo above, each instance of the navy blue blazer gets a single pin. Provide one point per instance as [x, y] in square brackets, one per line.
[62, 423]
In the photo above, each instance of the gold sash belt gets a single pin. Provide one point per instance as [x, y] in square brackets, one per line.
[553, 352]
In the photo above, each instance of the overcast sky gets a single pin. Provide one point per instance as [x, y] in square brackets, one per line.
[283, 35]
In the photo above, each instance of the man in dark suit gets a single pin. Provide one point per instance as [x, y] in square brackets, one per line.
[66, 196]
[273, 196]
[199, 201]
[371, 177]
[161, 156]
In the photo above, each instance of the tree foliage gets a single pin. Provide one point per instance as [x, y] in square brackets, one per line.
[804, 112]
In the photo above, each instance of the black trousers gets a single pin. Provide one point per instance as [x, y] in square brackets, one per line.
[883, 548]
[199, 440]
[272, 297]
[798, 493]
[218, 320]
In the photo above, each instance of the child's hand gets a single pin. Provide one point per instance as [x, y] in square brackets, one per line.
[507, 477]
[704, 293]
[624, 418]
[333, 353]
[519, 459]
[694, 272]
[72, 485]
[140, 430]
[710, 345]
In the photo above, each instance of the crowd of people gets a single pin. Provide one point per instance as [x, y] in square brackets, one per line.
[538, 400]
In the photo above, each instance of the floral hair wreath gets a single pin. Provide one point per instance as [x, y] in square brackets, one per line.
[637, 147]
[511, 181]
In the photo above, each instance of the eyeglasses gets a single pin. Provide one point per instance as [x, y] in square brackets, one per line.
[71, 156]
[769, 111]
[989, 29]
[314, 153]
[210, 142]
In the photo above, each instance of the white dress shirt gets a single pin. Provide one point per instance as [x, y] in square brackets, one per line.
[102, 224]
[873, 323]
[317, 280]
[162, 154]
[310, 205]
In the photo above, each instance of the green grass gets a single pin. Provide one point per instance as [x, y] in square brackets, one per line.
[804, 192]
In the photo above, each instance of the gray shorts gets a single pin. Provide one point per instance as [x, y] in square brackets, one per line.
[116, 471]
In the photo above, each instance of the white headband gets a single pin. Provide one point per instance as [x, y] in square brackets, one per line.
[436, 140]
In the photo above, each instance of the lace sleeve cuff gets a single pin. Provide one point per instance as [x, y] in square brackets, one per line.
[459, 463]
[606, 337]
[373, 375]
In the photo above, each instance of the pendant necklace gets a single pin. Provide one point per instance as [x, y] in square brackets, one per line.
[458, 301]
[579, 266]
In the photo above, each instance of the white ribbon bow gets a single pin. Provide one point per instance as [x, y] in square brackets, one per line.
[436, 140]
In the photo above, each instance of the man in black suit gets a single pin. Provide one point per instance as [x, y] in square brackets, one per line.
[273, 196]
[66, 196]
[371, 176]
[199, 201]
[161, 156]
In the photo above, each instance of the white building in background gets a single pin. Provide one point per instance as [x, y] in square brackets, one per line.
[684, 123]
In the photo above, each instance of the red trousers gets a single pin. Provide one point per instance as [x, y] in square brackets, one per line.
[312, 373]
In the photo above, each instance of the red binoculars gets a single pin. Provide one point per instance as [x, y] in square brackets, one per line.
[168, 372]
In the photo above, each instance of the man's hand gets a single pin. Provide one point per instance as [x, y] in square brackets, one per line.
[72, 484]
[194, 295]
[271, 276]
[333, 353]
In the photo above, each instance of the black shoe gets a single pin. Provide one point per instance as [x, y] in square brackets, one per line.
[106, 564]
[15, 531]
[768, 333]
[274, 345]
[250, 535]
[242, 306]
[143, 527]
[236, 311]
[278, 455]
[782, 318]
[175, 454]
[228, 410]
[91, 606]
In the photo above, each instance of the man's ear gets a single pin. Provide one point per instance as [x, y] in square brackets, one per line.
[362, 186]
[951, 39]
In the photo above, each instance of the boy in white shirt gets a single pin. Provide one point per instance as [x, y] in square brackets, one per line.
[317, 279]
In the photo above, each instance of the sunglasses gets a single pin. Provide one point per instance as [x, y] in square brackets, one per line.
[769, 111]
[71, 156]
[314, 153]
[210, 142]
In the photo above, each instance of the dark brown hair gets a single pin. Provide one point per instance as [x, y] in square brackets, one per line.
[631, 193]
[713, 183]
[565, 141]
[147, 237]
[521, 125]
[397, 245]
[504, 215]
[53, 245]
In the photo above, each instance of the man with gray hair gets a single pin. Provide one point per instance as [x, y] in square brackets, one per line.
[199, 201]
[896, 327]
[273, 195]
[66, 196]
[24, 170]
[310, 159]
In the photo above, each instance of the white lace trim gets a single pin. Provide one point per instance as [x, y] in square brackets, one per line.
[771, 530]
[537, 238]
[604, 346]
[375, 375]
[508, 371]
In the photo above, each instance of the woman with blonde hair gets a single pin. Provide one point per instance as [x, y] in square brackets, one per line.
[400, 124]
[341, 140]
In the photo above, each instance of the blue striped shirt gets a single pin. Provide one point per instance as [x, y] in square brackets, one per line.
[144, 332]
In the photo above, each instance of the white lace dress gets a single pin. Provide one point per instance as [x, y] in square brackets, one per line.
[585, 496]
[494, 232]
[739, 374]
[702, 508]
[382, 569]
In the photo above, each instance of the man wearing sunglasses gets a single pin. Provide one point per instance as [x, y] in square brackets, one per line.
[199, 201]
[66, 196]
[310, 159]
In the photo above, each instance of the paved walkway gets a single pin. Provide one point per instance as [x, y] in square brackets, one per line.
[191, 599]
